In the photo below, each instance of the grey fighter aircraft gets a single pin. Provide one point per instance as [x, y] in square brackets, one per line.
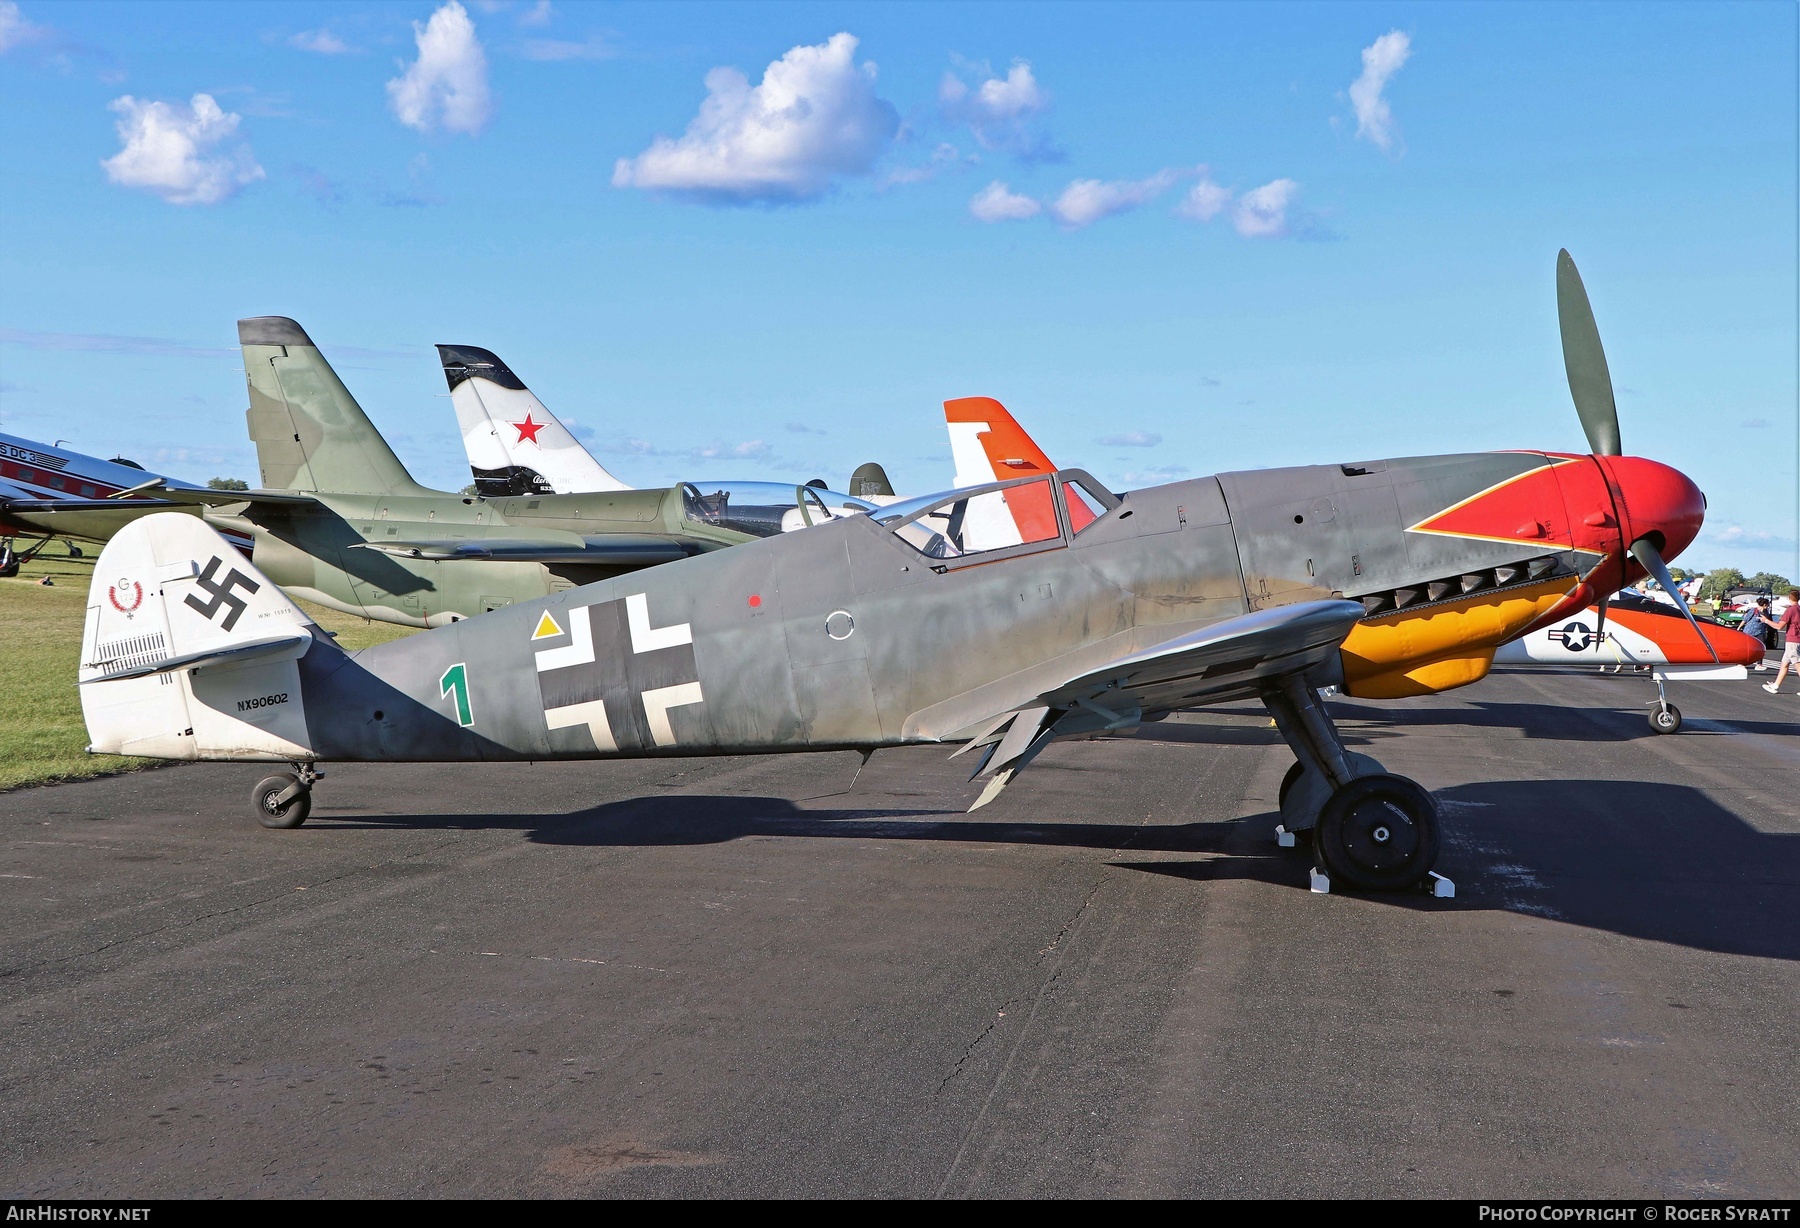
[1384, 577]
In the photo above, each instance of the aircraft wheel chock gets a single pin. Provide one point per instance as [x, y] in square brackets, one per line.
[1666, 719]
[271, 811]
[1378, 833]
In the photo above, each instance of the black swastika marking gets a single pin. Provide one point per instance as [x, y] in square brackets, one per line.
[222, 596]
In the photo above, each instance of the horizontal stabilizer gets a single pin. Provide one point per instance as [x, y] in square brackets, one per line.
[619, 550]
[226, 498]
[270, 648]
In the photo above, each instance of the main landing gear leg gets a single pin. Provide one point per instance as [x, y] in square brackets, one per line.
[1371, 830]
[285, 800]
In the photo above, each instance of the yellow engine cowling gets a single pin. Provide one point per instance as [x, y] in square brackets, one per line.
[1441, 646]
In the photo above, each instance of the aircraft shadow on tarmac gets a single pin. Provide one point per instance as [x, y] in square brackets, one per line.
[1538, 722]
[1653, 861]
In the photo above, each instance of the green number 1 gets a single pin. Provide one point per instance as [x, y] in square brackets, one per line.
[456, 682]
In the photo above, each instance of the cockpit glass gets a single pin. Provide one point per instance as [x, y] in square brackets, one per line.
[765, 509]
[977, 522]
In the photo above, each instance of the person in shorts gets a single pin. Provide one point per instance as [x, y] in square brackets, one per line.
[1790, 634]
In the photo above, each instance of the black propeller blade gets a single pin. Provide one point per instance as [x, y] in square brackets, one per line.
[1645, 552]
[1590, 383]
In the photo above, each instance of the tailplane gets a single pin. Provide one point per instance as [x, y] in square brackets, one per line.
[189, 652]
[310, 433]
[515, 445]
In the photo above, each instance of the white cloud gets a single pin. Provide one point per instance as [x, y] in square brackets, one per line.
[1132, 439]
[1086, 201]
[556, 49]
[1156, 475]
[945, 155]
[997, 110]
[1381, 59]
[814, 117]
[447, 86]
[998, 203]
[321, 40]
[538, 14]
[15, 31]
[1262, 212]
[1747, 539]
[180, 151]
[1204, 201]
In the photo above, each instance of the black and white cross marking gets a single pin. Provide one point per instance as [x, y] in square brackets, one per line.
[618, 676]
[222, 596]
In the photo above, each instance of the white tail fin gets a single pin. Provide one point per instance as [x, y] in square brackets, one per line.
[189, 652]
[515, 445]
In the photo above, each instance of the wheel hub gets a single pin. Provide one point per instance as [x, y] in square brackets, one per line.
[1379, 836]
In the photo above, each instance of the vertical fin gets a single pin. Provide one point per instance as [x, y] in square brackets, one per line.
[515, 445]
[310, 433]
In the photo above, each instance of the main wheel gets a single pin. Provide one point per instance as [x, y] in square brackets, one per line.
[272, 813]
[1378, 833]
[1288, 782]
[1666, 719]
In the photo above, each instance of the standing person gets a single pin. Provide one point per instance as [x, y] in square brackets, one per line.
[1790, 631]
[1767, 630]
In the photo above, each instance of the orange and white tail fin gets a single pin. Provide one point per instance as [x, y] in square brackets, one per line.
[990, 446]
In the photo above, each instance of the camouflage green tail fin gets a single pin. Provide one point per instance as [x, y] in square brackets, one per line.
[310, 433]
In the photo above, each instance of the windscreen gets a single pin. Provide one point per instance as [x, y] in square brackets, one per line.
[765, 509]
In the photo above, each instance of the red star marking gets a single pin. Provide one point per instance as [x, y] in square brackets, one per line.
[528, 429]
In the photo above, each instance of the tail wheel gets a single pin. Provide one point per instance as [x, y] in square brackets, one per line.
[271, 811]
[1378, 833]
[1666, 719]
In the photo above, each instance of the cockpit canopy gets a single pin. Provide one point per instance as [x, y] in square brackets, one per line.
[1017, 517]
[766, 509]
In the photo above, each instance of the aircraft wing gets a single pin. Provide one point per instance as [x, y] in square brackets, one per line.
[136, 507]
[1218, 660]
[1226, 660]
[603, 550]
[226, 498]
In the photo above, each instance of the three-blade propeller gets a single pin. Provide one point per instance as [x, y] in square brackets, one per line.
[1590, 384]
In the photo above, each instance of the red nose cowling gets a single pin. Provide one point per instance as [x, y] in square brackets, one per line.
[1654, 501]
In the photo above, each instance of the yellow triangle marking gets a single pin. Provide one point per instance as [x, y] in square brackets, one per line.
[546, 627]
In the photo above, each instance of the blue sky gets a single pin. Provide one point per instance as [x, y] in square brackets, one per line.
[1209, 249]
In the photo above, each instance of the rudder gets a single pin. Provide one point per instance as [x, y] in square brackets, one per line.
[189, 652]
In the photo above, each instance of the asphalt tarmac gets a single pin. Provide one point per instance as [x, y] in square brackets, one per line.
[728, 977]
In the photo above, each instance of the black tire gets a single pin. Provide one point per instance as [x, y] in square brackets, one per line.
[268, 813]
[1288, 782]
[1378, 833]
[1666, 719]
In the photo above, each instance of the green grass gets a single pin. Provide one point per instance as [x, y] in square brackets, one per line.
[42, 737]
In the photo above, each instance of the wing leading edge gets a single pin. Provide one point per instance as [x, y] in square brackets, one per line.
[1227, 660]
